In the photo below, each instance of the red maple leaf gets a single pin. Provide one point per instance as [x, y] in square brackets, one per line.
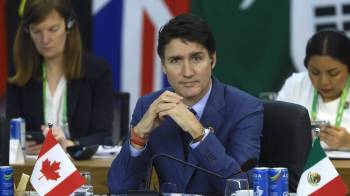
[50, 170]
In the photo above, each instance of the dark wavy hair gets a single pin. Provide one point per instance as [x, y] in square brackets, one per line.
[329, 42]
[186, 27]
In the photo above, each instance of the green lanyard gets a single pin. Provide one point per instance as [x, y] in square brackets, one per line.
[64, 114]
[341, 105]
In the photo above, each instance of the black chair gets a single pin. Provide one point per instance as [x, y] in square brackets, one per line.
[121, 113]
[4, 139]
[286, 140]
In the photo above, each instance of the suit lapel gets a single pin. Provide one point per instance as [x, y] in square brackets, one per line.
[212, 117]
[73, 91]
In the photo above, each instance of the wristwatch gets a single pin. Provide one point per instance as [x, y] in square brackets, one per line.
[76, 143]
[199, 138]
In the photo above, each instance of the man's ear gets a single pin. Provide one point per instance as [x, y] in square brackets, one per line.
[213, 60]
[163, 67]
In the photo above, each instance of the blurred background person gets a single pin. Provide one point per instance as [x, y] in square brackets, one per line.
[53, 81]
[324, 88]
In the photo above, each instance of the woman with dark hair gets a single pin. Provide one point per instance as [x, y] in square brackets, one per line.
[53, 81]
[324, 88]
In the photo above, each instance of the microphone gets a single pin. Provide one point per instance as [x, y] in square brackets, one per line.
[247, 165]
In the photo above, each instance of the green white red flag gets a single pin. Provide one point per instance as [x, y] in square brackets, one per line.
[320, 178]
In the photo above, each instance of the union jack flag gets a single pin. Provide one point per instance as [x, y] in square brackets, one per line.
[125, 34]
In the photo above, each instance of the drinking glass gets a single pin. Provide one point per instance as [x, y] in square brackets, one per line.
[238, 187]
[87, 188]
[87, 176]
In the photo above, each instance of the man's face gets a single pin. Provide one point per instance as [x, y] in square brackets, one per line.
[188, 67]
[49, 36]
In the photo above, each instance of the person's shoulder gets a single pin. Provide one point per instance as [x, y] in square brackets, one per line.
[94, 66]
[234, 96]
[297, 78]
[296, 89]
[297, 81]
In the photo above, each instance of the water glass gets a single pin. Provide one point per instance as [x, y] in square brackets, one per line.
[87, 176]
[238, 187]
[87, 188]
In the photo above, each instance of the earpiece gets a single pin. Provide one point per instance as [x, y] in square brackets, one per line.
[70, 20]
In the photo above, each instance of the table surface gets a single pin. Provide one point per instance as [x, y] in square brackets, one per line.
[99, 169]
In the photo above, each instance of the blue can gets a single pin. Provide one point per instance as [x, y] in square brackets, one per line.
[18, 130]
[278, 181]
[15, 129]
[6, 180]
[261, 181]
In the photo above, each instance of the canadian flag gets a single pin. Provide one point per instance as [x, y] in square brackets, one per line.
[54, 173]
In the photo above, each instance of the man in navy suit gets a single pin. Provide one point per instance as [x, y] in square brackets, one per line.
[197, 119]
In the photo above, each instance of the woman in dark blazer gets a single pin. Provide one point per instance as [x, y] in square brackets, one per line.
[54, 82]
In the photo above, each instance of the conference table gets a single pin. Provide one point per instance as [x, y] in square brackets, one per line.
[98, 166]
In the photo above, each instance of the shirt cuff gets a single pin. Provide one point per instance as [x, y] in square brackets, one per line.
[194, 145]
[134, 152]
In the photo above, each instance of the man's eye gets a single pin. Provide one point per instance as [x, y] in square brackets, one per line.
[197, 58]
[174, 61]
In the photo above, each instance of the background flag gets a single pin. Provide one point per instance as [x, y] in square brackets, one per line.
[258, 46]
[3, 49]
[54, 173]
[253, 41]
[320, 176]
[125, 33]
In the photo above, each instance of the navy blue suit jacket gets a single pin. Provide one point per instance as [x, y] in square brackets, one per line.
[237, 121]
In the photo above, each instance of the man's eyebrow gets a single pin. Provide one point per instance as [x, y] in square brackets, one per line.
[197, 53]
[176, 57]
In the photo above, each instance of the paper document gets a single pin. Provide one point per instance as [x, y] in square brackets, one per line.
[338, 154]
[108, 150]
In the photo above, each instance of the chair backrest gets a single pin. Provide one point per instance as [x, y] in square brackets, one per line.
[121, 113]
[286, 140]
[4, 141]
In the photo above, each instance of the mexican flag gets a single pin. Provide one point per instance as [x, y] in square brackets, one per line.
[54, 173]
[319, 176]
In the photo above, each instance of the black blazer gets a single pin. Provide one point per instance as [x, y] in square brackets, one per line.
[89, 103]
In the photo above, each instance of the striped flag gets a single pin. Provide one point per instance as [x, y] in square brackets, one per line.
[320, 177]
[3, 49]
[125, 34]
[54, 173]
